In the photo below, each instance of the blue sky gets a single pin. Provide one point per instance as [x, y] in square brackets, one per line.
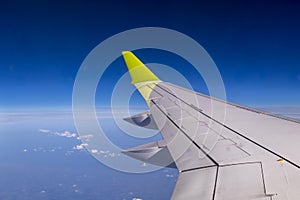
[255, 45]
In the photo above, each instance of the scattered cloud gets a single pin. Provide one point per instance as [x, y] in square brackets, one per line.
[44, 131]
[108, 154]
[66, 134]
[136, 198]
[85, 137]
[95, 151]
[69, 153]
[81, 146]
[104, 153]
[42, 149]
[169, 175]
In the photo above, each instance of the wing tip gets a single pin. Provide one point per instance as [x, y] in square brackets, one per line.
[138, 71]
[125, 52]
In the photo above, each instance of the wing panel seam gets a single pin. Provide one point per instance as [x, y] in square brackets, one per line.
[215, 162]
[240, 134]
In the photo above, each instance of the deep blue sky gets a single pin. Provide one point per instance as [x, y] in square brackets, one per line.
[255, 44]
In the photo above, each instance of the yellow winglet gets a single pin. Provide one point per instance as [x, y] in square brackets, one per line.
[141, 76]
[138, 71]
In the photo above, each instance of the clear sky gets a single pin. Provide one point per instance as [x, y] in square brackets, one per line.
[255, 45]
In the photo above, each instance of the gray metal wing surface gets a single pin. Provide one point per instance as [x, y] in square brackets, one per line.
[222, 151]
[226, 151]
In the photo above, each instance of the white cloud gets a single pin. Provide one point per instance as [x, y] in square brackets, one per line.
[43, 149]
[136, 198]
[66, 134]
[108, 153]
[103, 152]
[81, 146]
[44, 131]
[94, 151]
[112, 154]
[85, 137]
[69, 153]
[169, 175]
[100, 152]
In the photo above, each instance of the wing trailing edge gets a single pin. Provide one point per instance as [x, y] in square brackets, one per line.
[143, 120]
[155, 153]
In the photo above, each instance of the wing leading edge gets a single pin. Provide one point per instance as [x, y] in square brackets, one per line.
[238, 154]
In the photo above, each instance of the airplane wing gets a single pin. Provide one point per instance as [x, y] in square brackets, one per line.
[221, 150]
